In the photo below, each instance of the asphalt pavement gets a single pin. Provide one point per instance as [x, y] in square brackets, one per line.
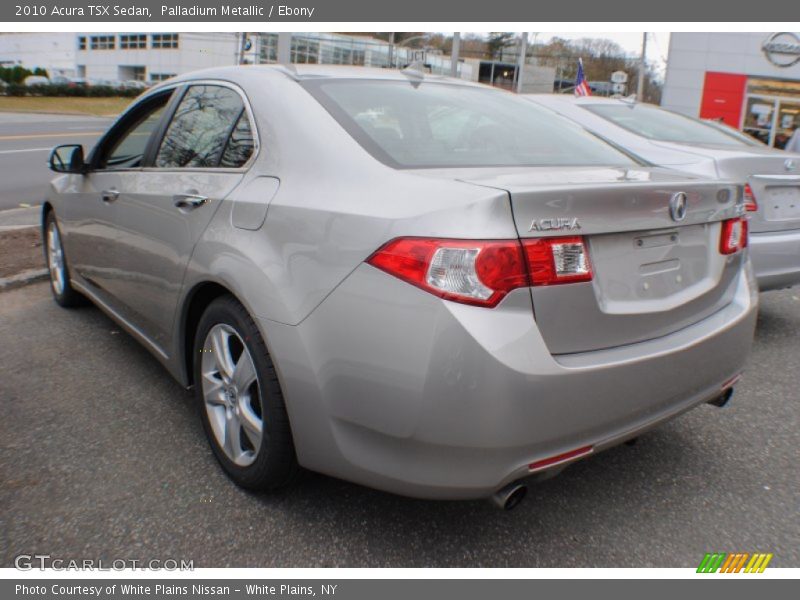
[25, 143]
[102, 455]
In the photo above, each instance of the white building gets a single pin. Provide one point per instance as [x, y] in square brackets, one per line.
[158, 56]
[55, 52]
[749, 80]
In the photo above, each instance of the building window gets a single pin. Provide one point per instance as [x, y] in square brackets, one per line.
[102, 42]
[155, 77]
[165, 40]
[305, 50]
[268, 48]
[82, 42]
[133, 41]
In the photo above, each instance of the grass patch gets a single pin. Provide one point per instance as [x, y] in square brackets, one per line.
[71, 105]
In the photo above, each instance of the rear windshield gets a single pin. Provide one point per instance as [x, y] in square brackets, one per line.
[437, 125]
[659, 124]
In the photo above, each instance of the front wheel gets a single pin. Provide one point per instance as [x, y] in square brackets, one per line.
[240, 399]
[60, 282]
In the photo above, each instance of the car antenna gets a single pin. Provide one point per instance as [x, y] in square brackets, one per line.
[415, 72]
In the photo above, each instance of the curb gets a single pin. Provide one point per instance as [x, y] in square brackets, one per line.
[22, 279]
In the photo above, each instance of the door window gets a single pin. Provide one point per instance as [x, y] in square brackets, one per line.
[207, 130]
[126, 147]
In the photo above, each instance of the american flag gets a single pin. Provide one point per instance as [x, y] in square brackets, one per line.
[581, 85]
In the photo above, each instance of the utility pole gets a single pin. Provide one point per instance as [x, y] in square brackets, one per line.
[523, 50]
[242, 44]
[454, 51]
[284, 48]
[640, 83]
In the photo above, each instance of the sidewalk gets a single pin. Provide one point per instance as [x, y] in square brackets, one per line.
[21, 257]
[19, 218]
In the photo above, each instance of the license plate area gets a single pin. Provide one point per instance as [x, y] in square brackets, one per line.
[782, 203]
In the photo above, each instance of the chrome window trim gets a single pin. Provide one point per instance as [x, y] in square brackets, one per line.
[187, 83]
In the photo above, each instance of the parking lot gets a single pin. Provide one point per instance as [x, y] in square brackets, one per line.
[103, 456]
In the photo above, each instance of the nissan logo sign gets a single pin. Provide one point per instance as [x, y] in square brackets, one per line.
[677, 206]
[782, 49]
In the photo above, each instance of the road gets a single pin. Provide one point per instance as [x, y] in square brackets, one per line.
[102, 455]
[25, 143]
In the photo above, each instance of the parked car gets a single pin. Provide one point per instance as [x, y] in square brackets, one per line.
[739, 135]
[133, 84]
[662, 137]
[62, 80]
[418, 284]
[31, 80]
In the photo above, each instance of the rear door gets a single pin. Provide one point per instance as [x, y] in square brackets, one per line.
[199, 157]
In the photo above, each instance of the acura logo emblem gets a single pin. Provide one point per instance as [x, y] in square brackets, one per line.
[677, 206]
[789, 165]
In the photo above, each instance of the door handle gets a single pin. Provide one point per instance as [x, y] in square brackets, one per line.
[109, 195]
[189, 201]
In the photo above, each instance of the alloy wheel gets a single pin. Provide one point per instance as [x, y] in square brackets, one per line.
[232, 394]
[55, 259]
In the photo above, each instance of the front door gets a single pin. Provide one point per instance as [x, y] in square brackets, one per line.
[92, 210]
[165, 209]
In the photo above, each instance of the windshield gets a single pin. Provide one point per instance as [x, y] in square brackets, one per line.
[659, 124]
[432, 125]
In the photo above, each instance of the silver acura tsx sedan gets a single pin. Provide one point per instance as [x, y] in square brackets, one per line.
[414, 283]
[771, 177]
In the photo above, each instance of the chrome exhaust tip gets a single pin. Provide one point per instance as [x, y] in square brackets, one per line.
[510, 496]
[723, 398]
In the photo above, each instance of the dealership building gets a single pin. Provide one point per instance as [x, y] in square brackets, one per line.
[751, 81]
[154, 57]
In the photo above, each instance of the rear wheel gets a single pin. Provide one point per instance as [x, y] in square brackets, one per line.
[60, 282]
[240, 399]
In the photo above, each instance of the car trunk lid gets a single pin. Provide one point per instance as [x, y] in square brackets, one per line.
[652, 274]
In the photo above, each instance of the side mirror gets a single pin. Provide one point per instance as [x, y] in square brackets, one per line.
[67, 159]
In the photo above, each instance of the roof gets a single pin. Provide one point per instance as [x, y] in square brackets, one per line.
[310, 71]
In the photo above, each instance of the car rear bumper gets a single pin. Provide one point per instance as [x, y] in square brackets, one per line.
[398, 390]
[776, 259]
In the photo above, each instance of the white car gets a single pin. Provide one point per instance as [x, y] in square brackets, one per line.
[668, 139]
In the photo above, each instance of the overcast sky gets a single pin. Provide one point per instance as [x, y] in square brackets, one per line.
[631, 42]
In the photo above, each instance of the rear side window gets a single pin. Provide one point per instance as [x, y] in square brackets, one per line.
[431, 125]
[209, 129]
[663, 125]
[240, 145]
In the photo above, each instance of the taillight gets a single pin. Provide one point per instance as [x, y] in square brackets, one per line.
[483, 272]
[750, 204]
[734, 235]
[557, 260]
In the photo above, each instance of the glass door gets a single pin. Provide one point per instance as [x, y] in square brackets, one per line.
[759, 118]
[788, 118]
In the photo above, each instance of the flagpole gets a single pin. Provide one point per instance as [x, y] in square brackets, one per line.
[640, 83]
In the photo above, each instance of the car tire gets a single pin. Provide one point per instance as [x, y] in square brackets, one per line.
[235, 398]
[56, 261]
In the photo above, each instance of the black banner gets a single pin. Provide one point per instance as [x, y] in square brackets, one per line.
[473, 11]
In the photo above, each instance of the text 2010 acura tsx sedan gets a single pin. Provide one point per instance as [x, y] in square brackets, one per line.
[418, 284]
[771, 177]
